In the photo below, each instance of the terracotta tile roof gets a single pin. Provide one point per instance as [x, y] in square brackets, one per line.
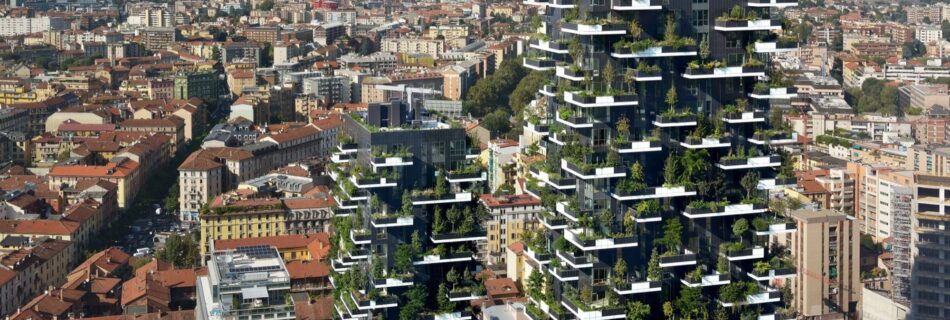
[506, 201]
[293, 170]
[38, 227]
[179, 278]
[6, 275]
[501, 287]
[319, 309]
[154, 265]
[75, 126]
[307, 269]
[294, 134]
[139, 288]
[308, 203]
[171, 315]
[103, 285]
[103, 263]
[111, 169]
[317, 243]
[516, 247]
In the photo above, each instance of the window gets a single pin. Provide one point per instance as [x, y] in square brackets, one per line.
[700, 17]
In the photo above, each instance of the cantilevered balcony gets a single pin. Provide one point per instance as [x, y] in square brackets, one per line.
[540, 258]
[774, 93]
[564, 273]
[392, 222]
[429, 199]
[576, 121]
[744, 117]
[562, 4]
[383, 162]
[710, 280]
[458, 237]
[554, 180]
[655, 52]
[539, 128]
[557, 47]
[343, 203]
[775, 46]
[636, 5]
[750, 163]
[746, 254]
[360, 237]
[772, 274]
[602, 311]
[713, 210]
[772, 3]
[648, 217]
[638, 146]
[589, 100]
[775, 227]
[539, 64]
[347, 147]
[458, 315]
[774, 138]
[571, 72]
[444, 258]
[340, 157]
[552, 222]
[540, 3]
[748, 25]
[691, 142]
[382, 302]
[569, 211]
[590, 172]
[466, 177]
[678, 259]
[724, 72]
[577, 260]
[394, 281]
[663, 121]
[647, 75]
[654, 193]
[776, 183]
[633, 286]
[548, 90]
[586, 240]
[556, 138]
[768, 296]
[595, 29]
[466, 294]
[370, 183]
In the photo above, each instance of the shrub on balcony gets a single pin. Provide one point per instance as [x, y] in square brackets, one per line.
[695, 276]
[737, 291]
[753, 63]
[647, 68]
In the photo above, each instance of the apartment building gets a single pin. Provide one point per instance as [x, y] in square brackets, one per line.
[245, 282]
[876, 187]
[158, 38]
[929, 159]
[923, 96]
[432, 47]
[30, 268]
[825, 247]
[123, 172]
[15, 26]
[511, 216]
[232, 217]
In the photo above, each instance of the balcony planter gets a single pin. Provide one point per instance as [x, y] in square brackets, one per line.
[770, 296]
[348, 147]
[538, 257]
[464, 296]
[458, 237]
[394, 282]
[387, 222]
[776, 228]
[634, 287]
[552, 45]
[686, 259]
[761, 138]
[630, 5]
[775, 46]
[692, 142]
[571, 73]
[445, 198]
[747, 254]
[548, 90]
[748, 25]
[465, 177]
[563, 274]
[728, 210]
[561, 4]
[772, 3]
[392, 161]
[775, 93]
[750, 163]
[640, 75]
[638, 146]
[539, 64]
[607, 313]
[360, 238]
[603, 243]
[680, 121]
[655, 52]
[654, 193]
[710, 280]
[445, 258]
[648, 217]
[772, 274]
[591, 101]
[340, 157]
[576, 122]
[594, 29]
[744, 117]
[559, 183]
[594, 172]
[554, 223]
[539, 128]
[379, 303]
[367, 183]
[535, 2]
[577, 261]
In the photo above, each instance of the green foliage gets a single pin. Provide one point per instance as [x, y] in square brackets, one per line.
[497, 123]
[654, 272]
[414, 304]
[913, 49]
[671, 170]
[526, 90]
[637, 310]
[737, 291]
[691, 303]
[266, 5]
[672, 234]
[442, 299]
[873, 97]
[740, 227]
[492, 92]
[182, 252]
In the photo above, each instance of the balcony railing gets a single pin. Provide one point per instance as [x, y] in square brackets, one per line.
[655, 52]
[750, 163]
[594, 29]
[748, 25]
[594, 172]
[540, 64]
[744, 117]
[654, 193]
[682, 121]
[458, 237]
[631, 5]
[692, 142]
[724, 72]
[686, 259]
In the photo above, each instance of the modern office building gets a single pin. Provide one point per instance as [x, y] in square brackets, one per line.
[245, 283]
[656, 115]
[825, 246]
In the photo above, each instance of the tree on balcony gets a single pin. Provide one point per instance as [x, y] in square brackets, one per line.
[414, 304]
[629, 224]
[637, 310]
[609, 74]
[623, 129]
[672, 236]
[691, 303]
[620, 271]
[750, 183]
[437, 223]
[653, 267]
[695, 164]
[442, 300]
[671, 169]
[671, 98]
